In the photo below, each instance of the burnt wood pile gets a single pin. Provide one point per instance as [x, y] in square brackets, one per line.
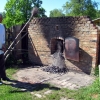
[57, 61]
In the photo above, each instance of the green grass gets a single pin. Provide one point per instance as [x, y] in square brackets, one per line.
[10, 93]
[7, 92]
[89, 93]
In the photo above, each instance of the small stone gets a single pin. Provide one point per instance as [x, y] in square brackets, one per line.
[63, 99]
[38, 95]
[48, 92]
[23, 89]
[32, 92]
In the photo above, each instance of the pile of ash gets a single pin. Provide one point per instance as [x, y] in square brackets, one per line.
[58, 64]
[54, 69]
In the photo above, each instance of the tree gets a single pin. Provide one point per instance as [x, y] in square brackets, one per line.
[3, 14]
[56, 13]
[98, 14]
[81, 8]
[42, 11]
[19, 11]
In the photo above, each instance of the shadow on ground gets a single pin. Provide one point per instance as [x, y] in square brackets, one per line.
[25, 86]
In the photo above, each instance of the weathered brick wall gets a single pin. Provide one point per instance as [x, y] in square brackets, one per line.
[42, 30]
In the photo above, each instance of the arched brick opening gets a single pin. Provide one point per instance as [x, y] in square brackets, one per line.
[53, 44]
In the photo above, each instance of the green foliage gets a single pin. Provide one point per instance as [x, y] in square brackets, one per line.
[3, 14]
[98, 14]
[81, 8]
[56, 13]
[18, 11]
[96, 71]
[12, 60]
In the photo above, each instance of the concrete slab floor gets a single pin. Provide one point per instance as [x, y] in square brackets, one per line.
[71, 80]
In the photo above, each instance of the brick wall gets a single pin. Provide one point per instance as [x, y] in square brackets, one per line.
[42, 30]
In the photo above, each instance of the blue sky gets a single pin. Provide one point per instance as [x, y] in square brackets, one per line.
[48, 5]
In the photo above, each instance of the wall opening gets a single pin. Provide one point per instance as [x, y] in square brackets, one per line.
[54, 45]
